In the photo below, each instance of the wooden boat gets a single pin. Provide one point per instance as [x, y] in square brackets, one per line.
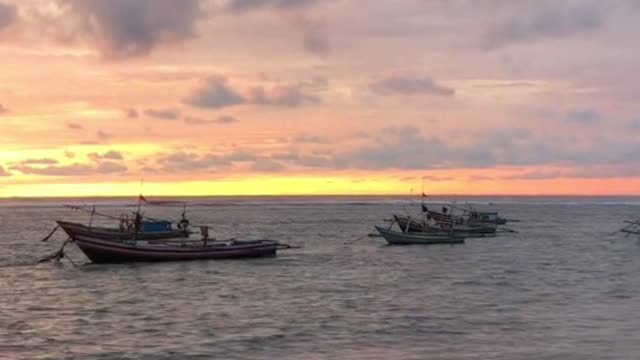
[468, 217]
[408, 225]
[104, 251]
[150, 230]
[399, 238]
[486, 217]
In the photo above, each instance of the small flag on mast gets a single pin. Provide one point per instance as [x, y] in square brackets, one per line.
[142, 198]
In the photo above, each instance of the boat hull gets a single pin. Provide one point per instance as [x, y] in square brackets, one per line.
[75, 229]
[103, 251]
[400, 238]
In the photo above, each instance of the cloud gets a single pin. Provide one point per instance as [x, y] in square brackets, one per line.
[75, 126]
[409, 84]
[633, 125]
[103, 136]
[314, 34]
[163, 114]
[552, 21]
[3, 109]
[123, 29]
[215, 92]
[282, 95]
[109, 155]
[110, 167]
[8, 15]
[240, 6]
[224, 119]
[75, 169]
[313, 30]
[191, 161]
[583, 116]
[311, 139]
[536, 175]
[131, 113]
[267, 165]
[43, 161]
[4, 172]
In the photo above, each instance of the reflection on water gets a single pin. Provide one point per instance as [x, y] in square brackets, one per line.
[562, 288]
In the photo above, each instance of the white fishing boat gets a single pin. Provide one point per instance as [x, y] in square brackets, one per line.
[402, 238]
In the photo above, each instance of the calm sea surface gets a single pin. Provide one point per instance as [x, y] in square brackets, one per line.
[561, 288]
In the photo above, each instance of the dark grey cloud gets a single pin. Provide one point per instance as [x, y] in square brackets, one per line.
[186, 161]
[129, 28]
[583, 116]
[43, 161]
[224, 119]
[8, 15]
[4, 172]
[215, 93]
[75, 126]
[551, 20]
[409, 84]
[109, 155]
[313, 30]
[163, 114]
[75, 169]
[3, 109]
[267, 165]
[110, 167]
[282, 95]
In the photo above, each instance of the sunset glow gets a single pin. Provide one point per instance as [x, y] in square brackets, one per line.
[230, 97]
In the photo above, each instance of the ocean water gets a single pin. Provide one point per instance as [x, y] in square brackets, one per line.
[563, 287]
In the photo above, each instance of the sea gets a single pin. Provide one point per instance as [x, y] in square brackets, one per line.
[564, 285]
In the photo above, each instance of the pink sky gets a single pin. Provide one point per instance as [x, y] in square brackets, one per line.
[308, 96]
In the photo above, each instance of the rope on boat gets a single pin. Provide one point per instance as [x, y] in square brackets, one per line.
[58, 255]
[46, 238]
[349, 242]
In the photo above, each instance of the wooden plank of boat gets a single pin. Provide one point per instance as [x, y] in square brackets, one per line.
[400, 238]
[103, 251]
[75, 229]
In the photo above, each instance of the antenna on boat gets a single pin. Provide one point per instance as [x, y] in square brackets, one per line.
[422, 196]
[140, 195]
[137, 217]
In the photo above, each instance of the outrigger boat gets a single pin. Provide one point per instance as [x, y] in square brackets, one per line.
[409, 225]
[105, 250]
[403, 238]
[154, 241]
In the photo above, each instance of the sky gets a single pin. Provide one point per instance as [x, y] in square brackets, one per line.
[239, 97]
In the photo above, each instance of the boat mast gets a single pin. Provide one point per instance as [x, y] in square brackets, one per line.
[137, 217]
